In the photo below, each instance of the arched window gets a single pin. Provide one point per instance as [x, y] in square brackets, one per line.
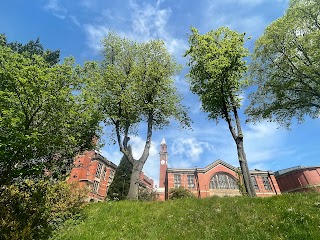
[223, 181]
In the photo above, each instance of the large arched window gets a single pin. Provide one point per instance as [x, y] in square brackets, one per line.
[223, 181]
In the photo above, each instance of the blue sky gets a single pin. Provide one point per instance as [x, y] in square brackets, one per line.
[76, 28]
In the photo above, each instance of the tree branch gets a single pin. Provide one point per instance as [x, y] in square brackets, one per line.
[147, 145]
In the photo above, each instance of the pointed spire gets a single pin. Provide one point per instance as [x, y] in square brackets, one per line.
[163, 141]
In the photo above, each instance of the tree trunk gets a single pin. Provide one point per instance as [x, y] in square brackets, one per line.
[244, 168]
[133, 193]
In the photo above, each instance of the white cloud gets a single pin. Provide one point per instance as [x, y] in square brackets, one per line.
[265, 142]
[74, 20]
[252, 25]
[264, 145]
[90, 4]
[95, 35]
[148, 21]
[56, 9]
[189, 148]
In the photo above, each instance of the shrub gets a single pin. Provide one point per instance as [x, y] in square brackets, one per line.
[32, 210]
[145, 195]
[180, 192]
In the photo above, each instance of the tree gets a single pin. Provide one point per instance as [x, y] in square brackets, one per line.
[121, 182]
[133, 85]
[285, 66]
[43, 124]
[32, 48]
[216, 71]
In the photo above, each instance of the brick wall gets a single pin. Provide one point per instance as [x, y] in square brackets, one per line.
[301, 179]
[94, 171]
[266, 182]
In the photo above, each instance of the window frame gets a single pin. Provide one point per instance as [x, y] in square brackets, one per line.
[99, 169]
[190, 179]
[223, 181]
[177, 180]
[255, 183]
[95, 186]
[266, 183]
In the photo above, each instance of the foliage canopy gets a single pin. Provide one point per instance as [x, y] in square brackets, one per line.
[217, 67]
[43, 123]
[286, 66]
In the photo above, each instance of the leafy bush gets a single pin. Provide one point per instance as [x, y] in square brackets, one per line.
[32, 210]
[145, 195]
[180, 192]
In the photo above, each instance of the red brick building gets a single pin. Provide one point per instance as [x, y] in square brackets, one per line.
[93, 170]
[218, 178]
[298, 179]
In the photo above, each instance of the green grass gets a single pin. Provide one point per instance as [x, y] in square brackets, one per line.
[290, 216]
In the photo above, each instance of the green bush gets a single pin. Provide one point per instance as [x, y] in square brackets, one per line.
[32, 210]
[146, 195]
[180, 192]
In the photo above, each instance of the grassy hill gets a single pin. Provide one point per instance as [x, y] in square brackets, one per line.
[289, 216]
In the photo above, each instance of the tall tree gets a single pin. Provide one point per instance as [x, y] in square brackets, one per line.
[216, 72]
[121, 182]
[286, 66]
[135, 86]
[42, 122]
[32, 48]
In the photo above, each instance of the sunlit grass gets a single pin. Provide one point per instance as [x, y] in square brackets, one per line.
[290, 216]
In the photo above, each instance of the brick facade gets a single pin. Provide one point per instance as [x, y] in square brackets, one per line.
[93, 170]
[299, 179]
[217, 179]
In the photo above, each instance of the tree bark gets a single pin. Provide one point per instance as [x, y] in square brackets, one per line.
[238, 138]
[244, 168]
[242, 157]
[134, 181]
[133, 193]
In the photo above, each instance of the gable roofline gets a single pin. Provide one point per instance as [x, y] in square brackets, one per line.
[213, 165]
[203, 170]
[216, 163]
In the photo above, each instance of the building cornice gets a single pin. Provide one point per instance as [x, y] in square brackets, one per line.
[213, 165]
[287, 171]
[203, 170]
[98, 157]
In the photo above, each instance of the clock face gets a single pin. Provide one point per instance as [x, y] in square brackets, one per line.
[162, 162]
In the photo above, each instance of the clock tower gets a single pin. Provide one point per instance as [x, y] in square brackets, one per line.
[163, 168]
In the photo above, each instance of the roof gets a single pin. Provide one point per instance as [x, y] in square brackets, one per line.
[205, 169]
[99, 157]
[293, 169]
[213, 165]
[163, 141]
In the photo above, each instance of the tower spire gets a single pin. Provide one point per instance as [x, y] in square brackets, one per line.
[163, 169]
